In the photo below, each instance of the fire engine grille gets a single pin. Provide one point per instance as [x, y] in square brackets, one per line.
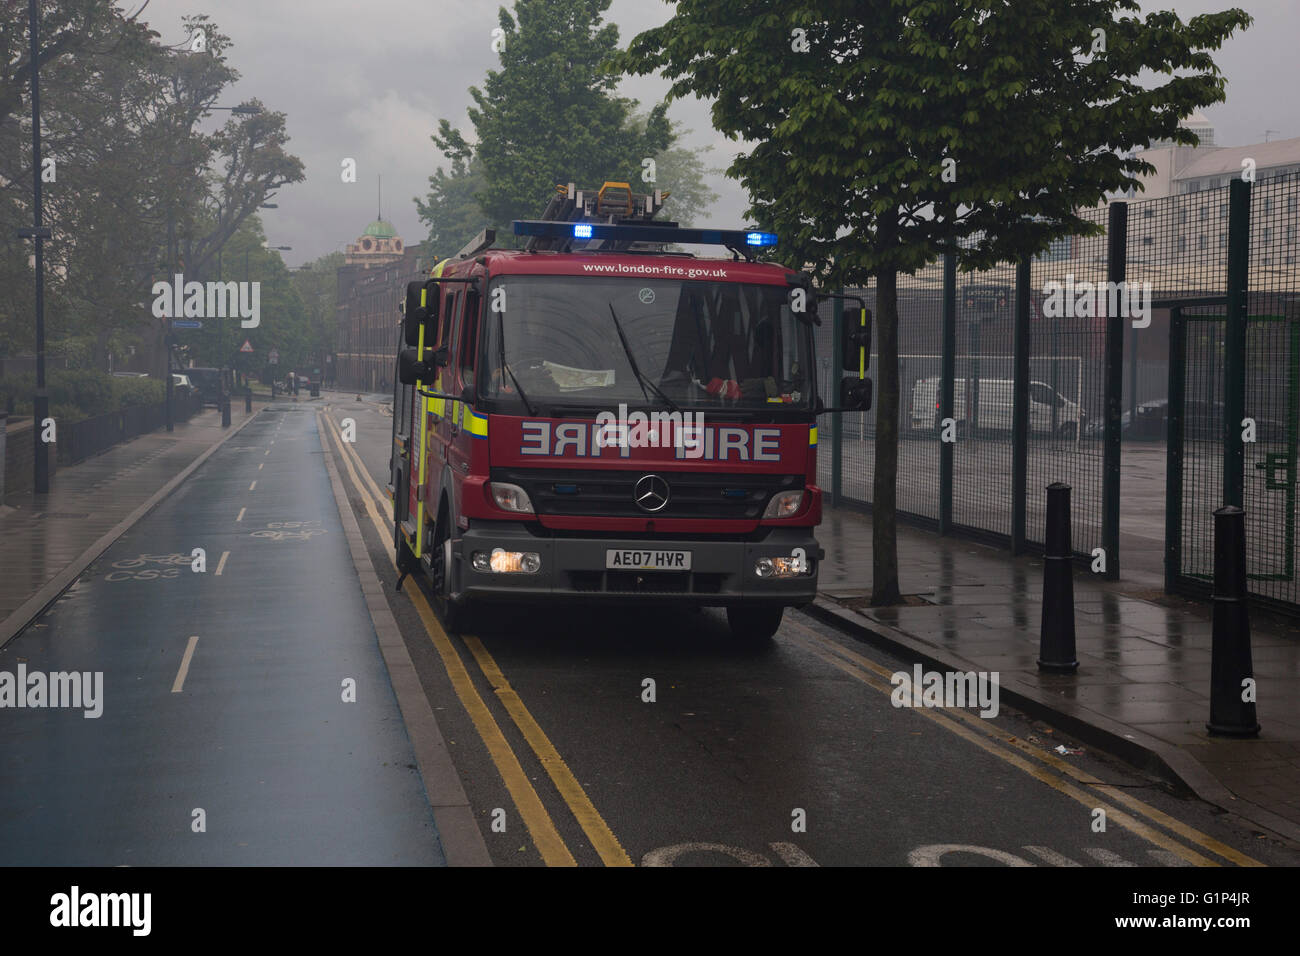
[611, 493]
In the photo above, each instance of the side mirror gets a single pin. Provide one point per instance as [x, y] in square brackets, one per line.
[468, 395]
[856, 341]
[855, 394]
[421, 307]
[410, 369]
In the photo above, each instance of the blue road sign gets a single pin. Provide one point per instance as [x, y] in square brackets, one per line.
[186, 324]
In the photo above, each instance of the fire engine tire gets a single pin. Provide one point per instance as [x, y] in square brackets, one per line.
[455, 617]
[754, 624]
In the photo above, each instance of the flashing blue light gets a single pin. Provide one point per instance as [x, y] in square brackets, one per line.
[642, 232]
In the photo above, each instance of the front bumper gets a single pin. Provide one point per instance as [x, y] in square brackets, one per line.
[573, 568]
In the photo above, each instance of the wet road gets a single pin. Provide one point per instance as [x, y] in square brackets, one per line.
[788, 755]
[248, 717]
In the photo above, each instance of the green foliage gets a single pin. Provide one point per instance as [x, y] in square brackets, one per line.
[549, 115]
[450, 209]
[138, 391]
[142, 190]
[853, 132]
[680, 172]
[81, 393]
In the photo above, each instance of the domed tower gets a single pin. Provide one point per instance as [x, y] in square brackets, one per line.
[379, 245]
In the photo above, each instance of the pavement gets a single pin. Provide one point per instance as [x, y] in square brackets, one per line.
[1142, 687]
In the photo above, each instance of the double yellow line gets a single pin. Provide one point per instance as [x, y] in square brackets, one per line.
[1024, 756]
[541, 827]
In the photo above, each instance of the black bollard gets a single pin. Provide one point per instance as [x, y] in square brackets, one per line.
[248, 400]
[1230, 664]
[1056, 637]
[225, 410]
[273, 388]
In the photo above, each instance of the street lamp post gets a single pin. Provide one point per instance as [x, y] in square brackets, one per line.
[38, 233]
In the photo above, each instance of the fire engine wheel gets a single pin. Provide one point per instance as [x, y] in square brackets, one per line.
[455, 617]
[754, 624]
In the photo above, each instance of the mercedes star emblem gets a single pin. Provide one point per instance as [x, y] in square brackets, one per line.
[651, 493]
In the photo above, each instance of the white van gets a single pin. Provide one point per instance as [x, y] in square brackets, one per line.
[995, 407]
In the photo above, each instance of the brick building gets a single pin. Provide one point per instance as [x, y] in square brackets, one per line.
[371, 284]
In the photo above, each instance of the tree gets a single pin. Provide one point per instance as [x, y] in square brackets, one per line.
[317, 285]
[137, 191]
[856, 105]
[450, 209]
[680, 171]
[549, 115]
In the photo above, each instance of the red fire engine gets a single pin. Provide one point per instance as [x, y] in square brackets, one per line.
[593, 418]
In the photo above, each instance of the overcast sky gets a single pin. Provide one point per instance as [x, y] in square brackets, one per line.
[370, 81]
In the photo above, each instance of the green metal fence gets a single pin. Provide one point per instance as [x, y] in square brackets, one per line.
[1234, 400]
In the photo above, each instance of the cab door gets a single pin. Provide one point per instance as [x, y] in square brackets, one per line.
[463, 361]
[441, 425]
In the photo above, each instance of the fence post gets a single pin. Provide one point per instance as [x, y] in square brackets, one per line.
[1174, 449]
[1020, 408]
[837, 420]
[1116, 271]
[1234, 343]
[948, 375]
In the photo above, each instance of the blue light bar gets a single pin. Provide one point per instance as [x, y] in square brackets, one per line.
[644, 232]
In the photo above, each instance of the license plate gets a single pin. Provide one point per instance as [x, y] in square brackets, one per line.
[633, 560]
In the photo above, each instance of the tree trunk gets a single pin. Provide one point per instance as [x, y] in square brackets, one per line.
[884, 524]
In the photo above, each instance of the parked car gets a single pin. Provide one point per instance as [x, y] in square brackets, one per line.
[1048, 409]
[208, 383]
[181, 384]
[1202, 421]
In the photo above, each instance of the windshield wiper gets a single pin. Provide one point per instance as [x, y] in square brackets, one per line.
[501, 348]
[636, 370]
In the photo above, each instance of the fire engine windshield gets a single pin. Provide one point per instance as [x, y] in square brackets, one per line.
[570, 340]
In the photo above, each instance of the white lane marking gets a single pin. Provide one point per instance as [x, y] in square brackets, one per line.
[222, 563]
[267, 452]
[241, 514]
[252, 486]
[185, 665]
[1106, 857]
[667, 855]
[933, 854]
[791, 855]
[261, 466]
[1165, 858]
[1051, 857]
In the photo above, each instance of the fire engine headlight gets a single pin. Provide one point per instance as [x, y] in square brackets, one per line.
[501, 561]
[510, 497]
[786, 504]
[791, 567]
